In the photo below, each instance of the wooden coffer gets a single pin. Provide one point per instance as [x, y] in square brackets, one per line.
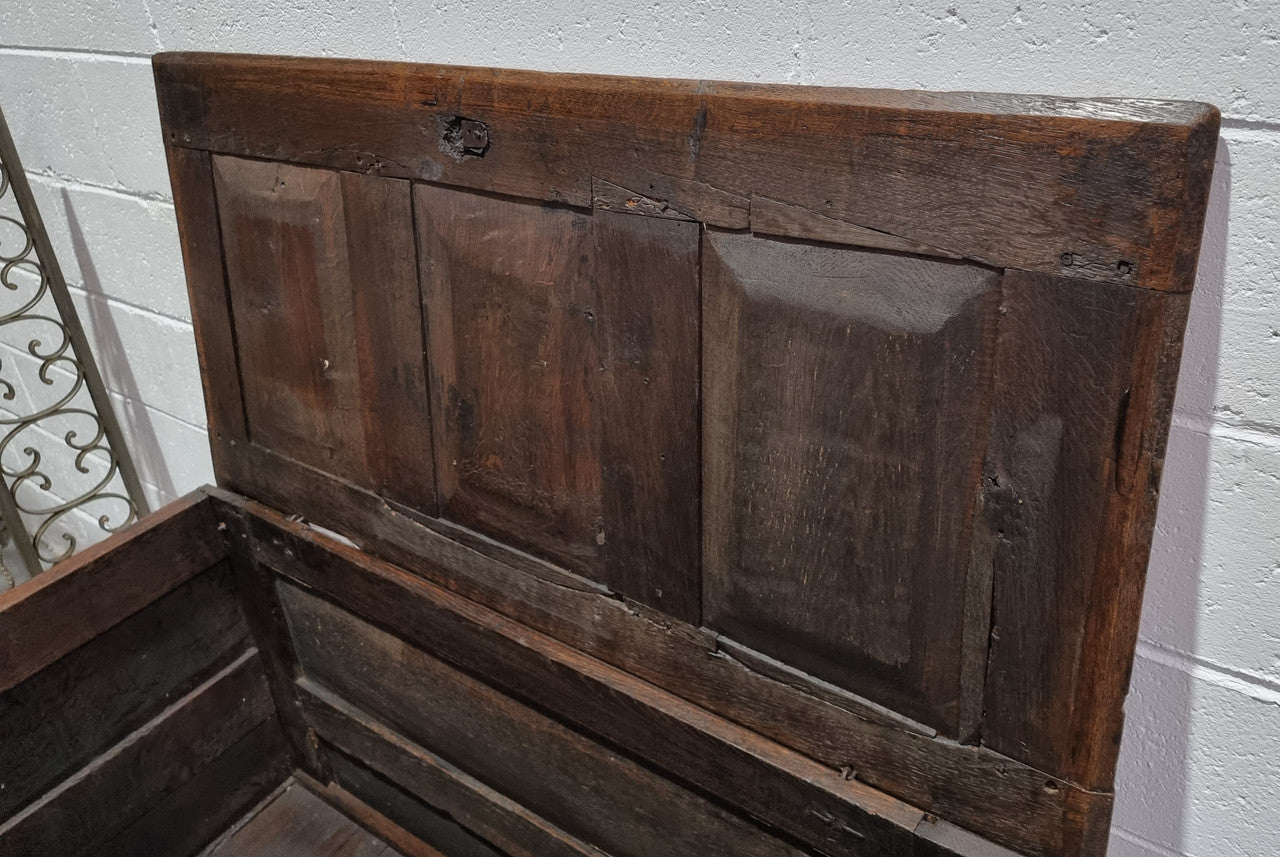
[687, 468]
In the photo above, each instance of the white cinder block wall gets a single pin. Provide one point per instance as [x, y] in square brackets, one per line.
[1200, 772]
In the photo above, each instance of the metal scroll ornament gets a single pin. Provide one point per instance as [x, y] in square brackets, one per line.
[67, 474]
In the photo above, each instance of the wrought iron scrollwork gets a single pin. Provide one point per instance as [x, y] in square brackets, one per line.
[62, 455]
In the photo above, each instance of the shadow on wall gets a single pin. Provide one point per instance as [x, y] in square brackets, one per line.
[113, 362]
[1151, 787]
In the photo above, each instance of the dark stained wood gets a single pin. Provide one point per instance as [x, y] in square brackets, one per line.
[485, 811]
[844, 429]
[586, 790]
[63, 716]
[713, 754]
[1083, 398]
[564, 351]
[1098, 188]
[985, 791]
[191, 177]
[179, 823]
[510, 313]
[296, 822]
[770, 217]
[434, 830]
[119, 786]
[606, 196]
[646, 271]
[368, 817]
[98, 588]
[266, 619]
[323, 280]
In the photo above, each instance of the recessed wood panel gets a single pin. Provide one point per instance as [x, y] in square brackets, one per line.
[324, 298]
[584, 788]
[564, 349]
[846, 393]
[510, 315]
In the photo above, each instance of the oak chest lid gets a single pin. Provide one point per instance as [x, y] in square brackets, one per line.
[840, 413]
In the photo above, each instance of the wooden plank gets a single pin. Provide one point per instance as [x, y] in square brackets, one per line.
[322, 272]
[181, 822]
[485, 811]
[368, 817]
[435, 830]
[194, 201]
[585, 789]
[700, 748]
[606, 196]
[647, 271]
[297, 822]
[509, 310]
[75, 601]
[1084, 391]
[279, 661]
[119, 786]
[1106, 189]
[988, 792]
[60, 718]
[844, 428]
[770, 217]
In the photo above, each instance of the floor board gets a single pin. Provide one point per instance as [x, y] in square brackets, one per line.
[296, 823]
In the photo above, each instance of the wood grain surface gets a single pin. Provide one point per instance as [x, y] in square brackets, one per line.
[837, 415]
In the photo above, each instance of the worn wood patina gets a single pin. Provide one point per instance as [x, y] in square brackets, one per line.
[623, 466]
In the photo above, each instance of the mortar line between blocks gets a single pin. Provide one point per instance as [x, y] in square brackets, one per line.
[1144, 842]
[1257, 687]
[50, 177]
[1258, 434]
[116, 393]
[61, 53]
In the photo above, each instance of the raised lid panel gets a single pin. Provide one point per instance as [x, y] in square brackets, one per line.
[564, 361]
[322, 275]
[846, 394]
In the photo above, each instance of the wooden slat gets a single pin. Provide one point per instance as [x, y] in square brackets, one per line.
[78, 599]
[60, 718]
[646, 270]
[585, 789]
[323, 279]
[485, 811]
[1105, 189]
[370, 819]
[770, 217]
[266, 620]
[1028, 813]
[1084, 390]
[119, 786]
[297, 822]
[993, 794]
[844, 429]
[434, 829]
[191, 176]
[181, 822]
